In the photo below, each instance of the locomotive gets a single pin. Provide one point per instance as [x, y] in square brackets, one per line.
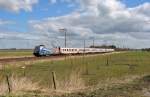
[41, 50]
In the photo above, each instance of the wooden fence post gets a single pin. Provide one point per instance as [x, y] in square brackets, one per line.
[8, 83]
[54, 80]
[24, 70]
[86, 69]
[107, 60]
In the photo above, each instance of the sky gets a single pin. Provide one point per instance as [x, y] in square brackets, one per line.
[27, 23]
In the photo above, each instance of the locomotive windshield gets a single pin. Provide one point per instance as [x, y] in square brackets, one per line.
[37, 48]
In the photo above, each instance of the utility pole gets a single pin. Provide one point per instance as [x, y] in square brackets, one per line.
[84, 46]
[64, 30]
[65, 39]
[84, 60]
[84, 52]
[93, 42]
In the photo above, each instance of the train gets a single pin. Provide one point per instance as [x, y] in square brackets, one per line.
[41, 50]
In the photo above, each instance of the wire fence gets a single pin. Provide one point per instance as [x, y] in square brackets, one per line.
[92, 69]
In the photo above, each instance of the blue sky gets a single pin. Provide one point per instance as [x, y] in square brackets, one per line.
[41, 10]
[16, 18]
[133, 3]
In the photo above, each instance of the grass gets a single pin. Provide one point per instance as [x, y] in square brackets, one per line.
[18, 85]
[137, 88]
[93, 69]
[15, 53]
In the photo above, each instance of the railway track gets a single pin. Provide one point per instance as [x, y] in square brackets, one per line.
[19, 59]
[5, 60]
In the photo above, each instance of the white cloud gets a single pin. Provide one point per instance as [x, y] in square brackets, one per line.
[96, 18]
[108, 21]
[20, 39]
[17, 5]
[53, 1]
[5, 22]
[142, 9]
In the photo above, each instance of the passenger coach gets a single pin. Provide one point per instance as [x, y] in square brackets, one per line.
[81, 50]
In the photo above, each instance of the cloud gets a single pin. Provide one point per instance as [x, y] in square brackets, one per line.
[17, 5]
[142, 9]
[70, 2]
[5, 22]
[96, 18]
[53, 1]
[20, 40]
[106, 21]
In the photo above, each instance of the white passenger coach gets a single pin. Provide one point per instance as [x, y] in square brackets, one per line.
[81, 50]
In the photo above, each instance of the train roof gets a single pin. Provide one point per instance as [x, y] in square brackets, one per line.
[84, 48]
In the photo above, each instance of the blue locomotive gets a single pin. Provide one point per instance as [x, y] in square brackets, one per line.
[41, 50]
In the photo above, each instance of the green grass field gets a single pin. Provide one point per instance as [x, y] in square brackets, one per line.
[93, 70]
[15, 53]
